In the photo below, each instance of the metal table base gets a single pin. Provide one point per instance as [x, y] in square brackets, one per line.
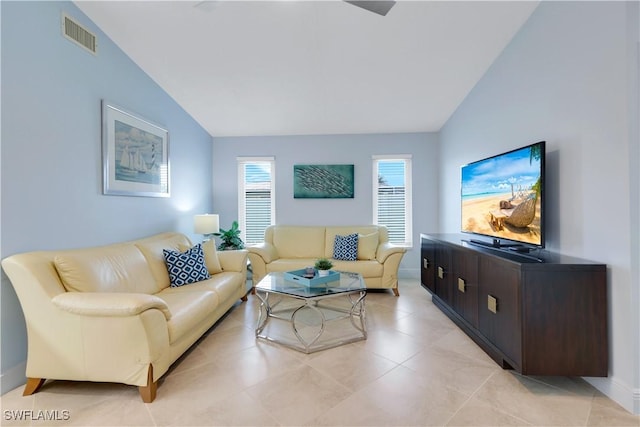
[319, 306]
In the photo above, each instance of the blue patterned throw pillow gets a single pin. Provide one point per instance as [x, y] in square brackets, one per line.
[346, 247]
[186, 267]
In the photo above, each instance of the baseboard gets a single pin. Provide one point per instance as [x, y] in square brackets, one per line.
[625, 396]
[14, 377]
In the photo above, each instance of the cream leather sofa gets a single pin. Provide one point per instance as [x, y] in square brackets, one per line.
[108, 313]
[288, 247]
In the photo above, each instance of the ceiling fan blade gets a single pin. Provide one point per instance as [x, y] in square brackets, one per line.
[379, 7]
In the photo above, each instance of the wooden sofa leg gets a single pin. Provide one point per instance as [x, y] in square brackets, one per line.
[396, 292]
[148, 392]
[33, 385]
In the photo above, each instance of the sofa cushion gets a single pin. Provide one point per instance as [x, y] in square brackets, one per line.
[211, 259]
[186, 267]
[188, 309]
[366, 268]
[346, 247]
[299, 242]
[289, 264]
[152, 249]
[224, 285]
[343, 230]
[114, 268]
[367, 246]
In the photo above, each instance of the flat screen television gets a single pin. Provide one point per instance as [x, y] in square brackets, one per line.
[503, 198]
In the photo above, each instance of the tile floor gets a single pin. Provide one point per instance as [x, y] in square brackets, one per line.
[415, 369]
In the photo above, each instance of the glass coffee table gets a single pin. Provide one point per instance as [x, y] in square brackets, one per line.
[309, 310]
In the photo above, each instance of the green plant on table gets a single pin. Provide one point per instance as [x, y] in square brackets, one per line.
[230, 238]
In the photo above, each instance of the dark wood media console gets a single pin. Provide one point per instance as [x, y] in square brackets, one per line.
[538, 318]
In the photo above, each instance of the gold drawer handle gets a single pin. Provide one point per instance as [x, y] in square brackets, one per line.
[462, 286]
[441, 272]
[492, 304]
[425, 263]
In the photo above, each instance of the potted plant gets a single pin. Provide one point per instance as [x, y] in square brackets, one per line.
[230, 238]
[323, 265]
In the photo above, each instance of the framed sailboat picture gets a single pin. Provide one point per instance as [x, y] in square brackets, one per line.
[135, 154]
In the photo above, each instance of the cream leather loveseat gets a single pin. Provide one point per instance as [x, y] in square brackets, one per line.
[108, 313]
[288, 247]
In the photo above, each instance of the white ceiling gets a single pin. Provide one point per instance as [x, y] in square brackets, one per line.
[312, 67]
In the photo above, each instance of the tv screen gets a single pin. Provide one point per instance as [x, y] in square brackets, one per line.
[503, 197]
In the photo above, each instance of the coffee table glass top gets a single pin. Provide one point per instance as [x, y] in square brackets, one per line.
[275, 282]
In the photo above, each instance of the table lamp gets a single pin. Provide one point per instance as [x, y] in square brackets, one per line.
[206, 224]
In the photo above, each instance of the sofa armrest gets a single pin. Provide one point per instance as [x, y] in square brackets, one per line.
[235, 260]
[266, 251]
[387, 249]
[109, 304]
[260, 255]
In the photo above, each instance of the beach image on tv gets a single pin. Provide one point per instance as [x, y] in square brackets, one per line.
[501, 196]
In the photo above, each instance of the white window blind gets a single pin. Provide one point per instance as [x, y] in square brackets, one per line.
[256, 198]
[392, 196]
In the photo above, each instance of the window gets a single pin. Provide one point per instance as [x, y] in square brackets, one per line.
[256, 197]
[392, 196]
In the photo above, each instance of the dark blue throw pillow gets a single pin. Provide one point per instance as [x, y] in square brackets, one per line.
[346, 247]
[186, 267]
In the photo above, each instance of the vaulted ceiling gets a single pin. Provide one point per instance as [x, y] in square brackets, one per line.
[312, 67]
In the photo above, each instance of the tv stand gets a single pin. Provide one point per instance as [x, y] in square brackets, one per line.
[517, 248]
[538, 317]
[494, 244]
[497, 243]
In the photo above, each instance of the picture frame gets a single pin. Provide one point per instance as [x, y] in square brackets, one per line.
[135, 154]
[323, 182]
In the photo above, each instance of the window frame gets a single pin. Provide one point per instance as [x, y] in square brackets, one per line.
[408, 194]
[242, 218]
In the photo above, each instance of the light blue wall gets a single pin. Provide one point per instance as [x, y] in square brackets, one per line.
[332, 149]
[51, 151]
[569, 77]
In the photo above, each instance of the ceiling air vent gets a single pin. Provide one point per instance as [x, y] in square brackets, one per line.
[78, 34]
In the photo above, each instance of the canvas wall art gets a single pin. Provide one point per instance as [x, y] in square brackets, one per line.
[323, 182]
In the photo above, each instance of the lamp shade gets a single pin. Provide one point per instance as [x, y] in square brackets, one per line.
[206, 224]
